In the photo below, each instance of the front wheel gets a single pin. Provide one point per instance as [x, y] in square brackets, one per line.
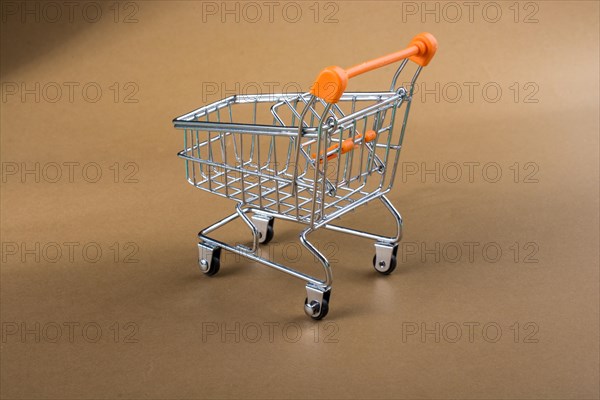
[386, 266]
[316, 310]
[210, 262]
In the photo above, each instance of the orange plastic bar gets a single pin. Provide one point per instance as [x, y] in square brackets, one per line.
[332, 81]
[347, 145]
[382, 61]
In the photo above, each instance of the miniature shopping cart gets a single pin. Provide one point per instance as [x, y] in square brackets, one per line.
[309, 158]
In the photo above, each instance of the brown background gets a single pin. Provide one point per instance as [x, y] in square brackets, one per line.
[172, 56]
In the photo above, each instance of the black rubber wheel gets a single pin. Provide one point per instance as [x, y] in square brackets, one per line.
[324, 309]
[390, 268]
[215, 263]
[270, 232]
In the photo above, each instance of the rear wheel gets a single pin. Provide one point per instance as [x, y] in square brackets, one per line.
[210, 267]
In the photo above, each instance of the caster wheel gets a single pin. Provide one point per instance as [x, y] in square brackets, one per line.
[386, 267]
[315, 310]
[264, 224]
[210, 268]
[269, 233]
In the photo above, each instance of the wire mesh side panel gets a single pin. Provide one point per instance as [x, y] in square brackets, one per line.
[361, 172]
[252, 168]
[358, 153]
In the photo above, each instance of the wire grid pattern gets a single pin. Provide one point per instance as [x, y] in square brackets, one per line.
[256, 166]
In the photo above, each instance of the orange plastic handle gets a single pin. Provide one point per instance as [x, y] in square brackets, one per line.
[347, 145]
[332, 81]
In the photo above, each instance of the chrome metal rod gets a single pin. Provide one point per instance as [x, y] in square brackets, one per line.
[246, 252]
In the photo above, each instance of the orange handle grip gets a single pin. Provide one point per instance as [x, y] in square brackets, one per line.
[332, 81]
[348, 144]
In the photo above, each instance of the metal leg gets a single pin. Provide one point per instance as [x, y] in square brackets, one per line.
[397, 217]
[316, 304]
[386, 247]
[255, 232]
[328, 275]
[368, 235]
[252, 254]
